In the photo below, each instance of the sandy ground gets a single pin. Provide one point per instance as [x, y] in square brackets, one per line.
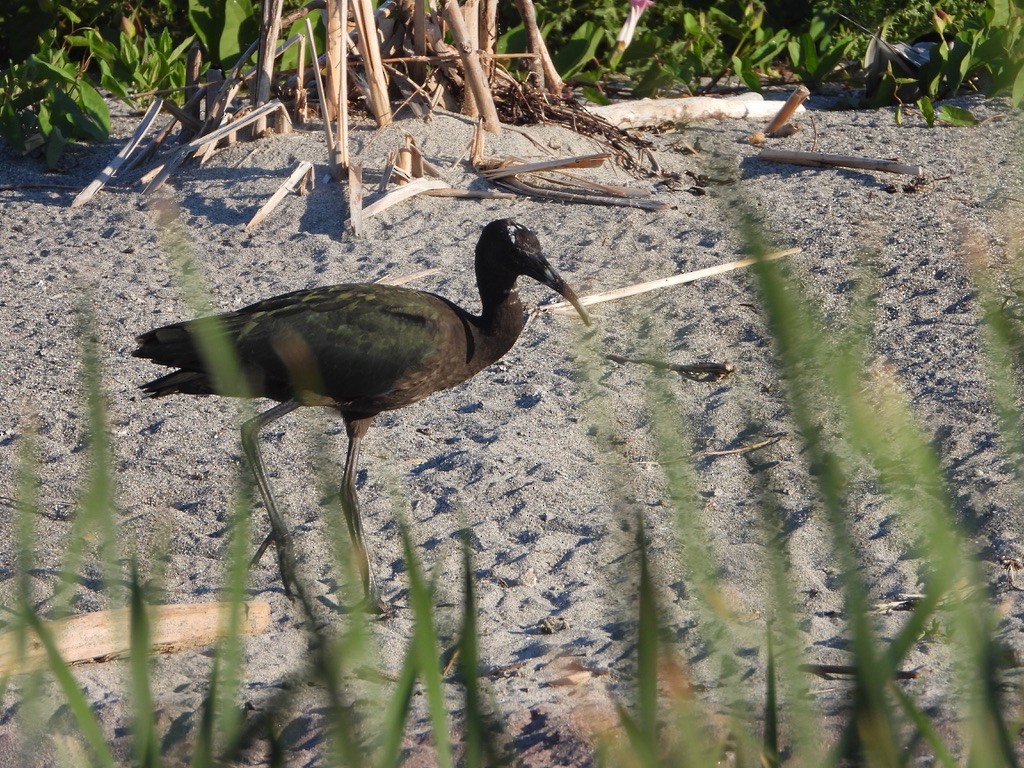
[515, 454]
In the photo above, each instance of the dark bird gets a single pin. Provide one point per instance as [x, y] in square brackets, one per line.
[358, 348]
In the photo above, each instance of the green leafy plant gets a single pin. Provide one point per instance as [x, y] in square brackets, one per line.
[137, 64]
[815, 54]
[224, 27]
[47, 101]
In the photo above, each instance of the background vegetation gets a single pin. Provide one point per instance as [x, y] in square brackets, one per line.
[54, 55]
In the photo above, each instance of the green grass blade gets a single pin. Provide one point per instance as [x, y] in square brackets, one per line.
[771, 707]
[83, 715]
[469, 664]
[939, 750]
[147, 750]
[425, 646]
[646, 645]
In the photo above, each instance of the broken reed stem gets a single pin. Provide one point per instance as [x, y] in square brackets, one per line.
[473, 70]
[823, 160]
[564, 307]
[107, 173]
[544, 67]
[319, 85]
[798, 97]
[335, 21]
[369, 50]
[270, 30]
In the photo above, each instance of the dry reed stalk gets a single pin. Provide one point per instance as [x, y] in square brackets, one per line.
[472, 68]
[112, 167]
[503, 168]
[300, 85]
[798, 97]
[564, 307]
[488, 35]
[270, 31]
[403, 193]
[419, 39]
[104, 635]
[295, 182]
[543, 67]
[822, 160]
[320, 87]
[337, 26]
[343, 97]
[369, 50]
[471, 19]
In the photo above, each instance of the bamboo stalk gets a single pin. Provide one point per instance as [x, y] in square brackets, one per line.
[564, 307]
[355, 199]
[419, 40]
[580, 161]
[343, 96]
[820, 159]
[471, 65]
[401, 194]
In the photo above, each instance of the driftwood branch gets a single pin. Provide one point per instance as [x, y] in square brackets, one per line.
[651, 113]
[104, 635]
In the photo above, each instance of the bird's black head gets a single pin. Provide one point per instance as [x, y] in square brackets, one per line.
[507, 249]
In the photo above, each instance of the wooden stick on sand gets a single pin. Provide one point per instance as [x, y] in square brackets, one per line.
[103, 635]
[565, 308]
[822, 160]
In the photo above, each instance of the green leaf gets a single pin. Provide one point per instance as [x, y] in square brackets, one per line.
[927, 110]
[1017, 94]
[957, 116]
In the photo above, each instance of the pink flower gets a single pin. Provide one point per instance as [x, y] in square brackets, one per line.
[636, 8]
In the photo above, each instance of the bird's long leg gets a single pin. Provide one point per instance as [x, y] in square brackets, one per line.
[356, 429]
[279, 531]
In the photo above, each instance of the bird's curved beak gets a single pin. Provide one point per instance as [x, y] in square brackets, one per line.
[554, 281]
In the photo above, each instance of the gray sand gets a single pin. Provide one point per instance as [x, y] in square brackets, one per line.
[516, 454]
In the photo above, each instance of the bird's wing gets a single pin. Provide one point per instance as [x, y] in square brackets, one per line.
[344, 343]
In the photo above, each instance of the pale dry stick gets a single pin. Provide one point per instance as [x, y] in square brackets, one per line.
[798, 97]
[212, 137]
[270, 30]
[300, 85]
[579, 161]
[822, 160]
[744, 448]
[401, 194]
[472, 194]
[355, 199]
[107, 173]
[343, 96]
[666, 282]
[304, 170]
[471, 19]
[188, 122]
[474, 71]
[827, 670]
[580, 196]
[440, 58]
[320, 86]
[366, 44]
[547, 74]
[104, 635]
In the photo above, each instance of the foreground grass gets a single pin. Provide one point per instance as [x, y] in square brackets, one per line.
[660, 719]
